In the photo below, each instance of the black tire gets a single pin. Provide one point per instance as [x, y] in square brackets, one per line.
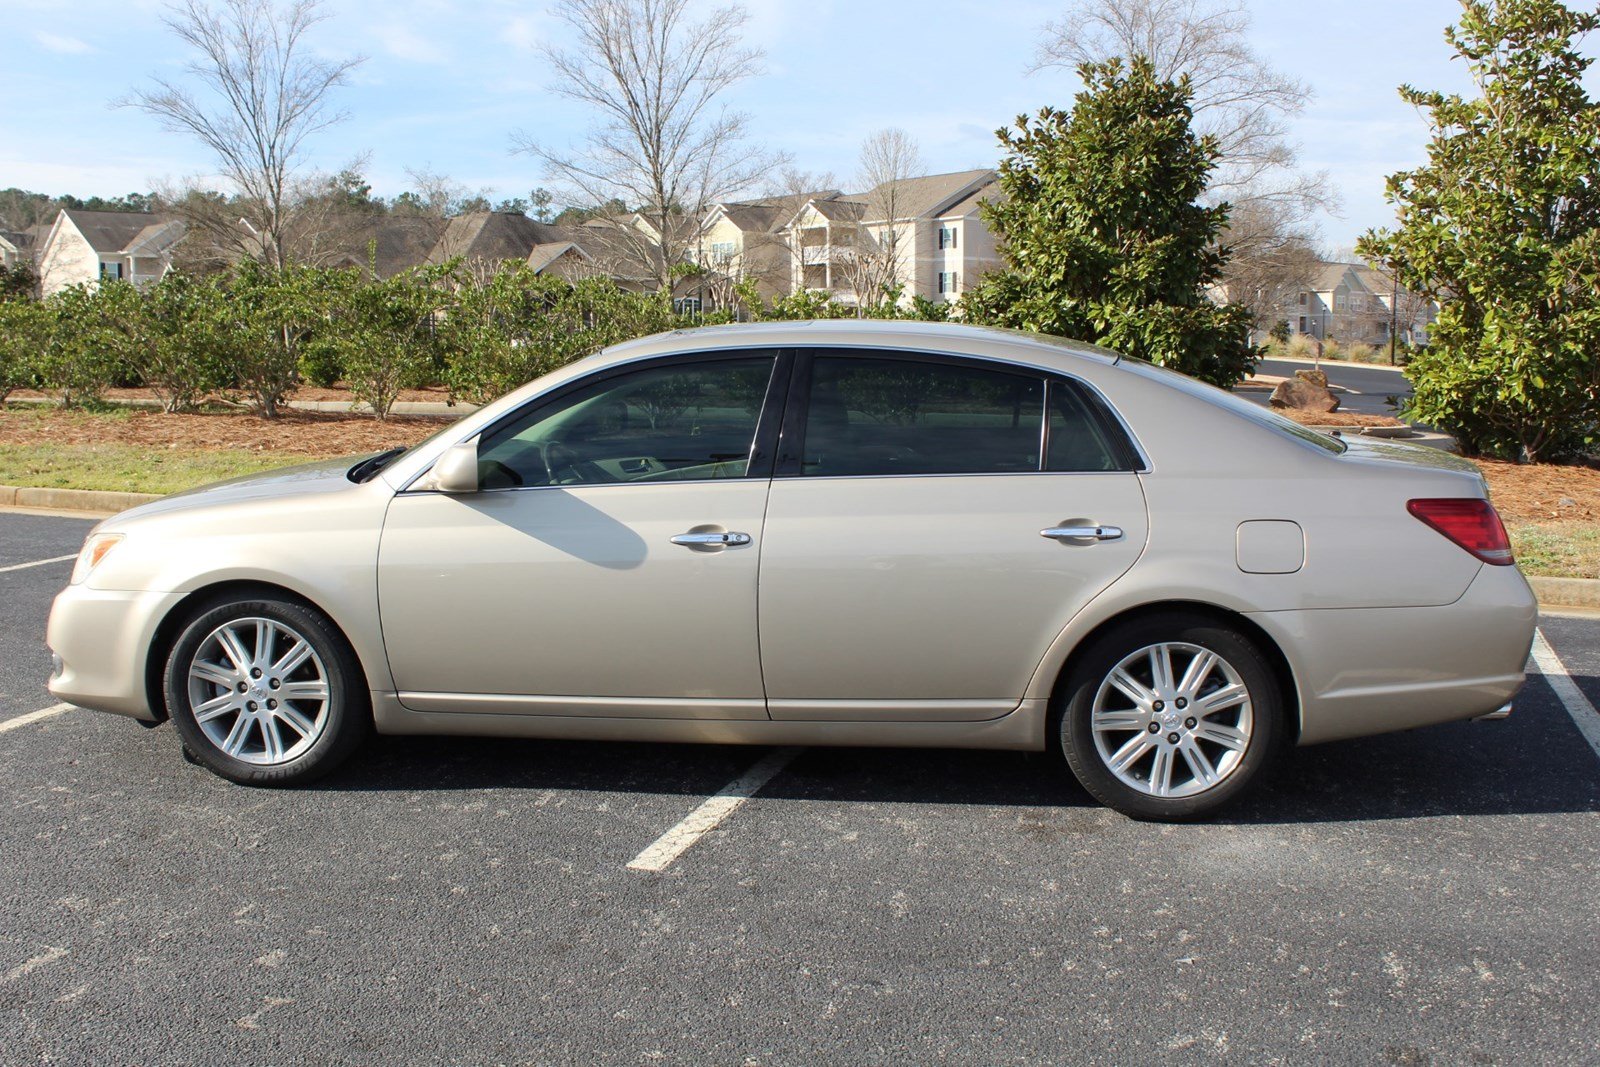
[1260, 719]
[339, 721]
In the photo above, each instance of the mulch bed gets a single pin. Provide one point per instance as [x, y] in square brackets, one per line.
[1542, 492]
[300, 433]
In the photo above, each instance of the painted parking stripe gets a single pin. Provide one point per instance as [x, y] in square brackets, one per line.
[1583, 714]
[37, 563]
[34, 716]
[702, 820]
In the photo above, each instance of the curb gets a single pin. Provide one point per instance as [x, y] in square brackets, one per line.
[1566, 592]
[19, 496]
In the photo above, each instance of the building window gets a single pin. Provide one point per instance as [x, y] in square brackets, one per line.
[947, 236]
[111, 270]
[947, 281]
[1302, 320]
[1302, 304]
[686, 305]
[722, 251]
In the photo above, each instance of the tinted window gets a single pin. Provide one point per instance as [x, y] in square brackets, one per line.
[681, 422]
[1080, 440]
[888, 416]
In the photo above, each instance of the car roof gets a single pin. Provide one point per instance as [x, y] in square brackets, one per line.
[1056, 353]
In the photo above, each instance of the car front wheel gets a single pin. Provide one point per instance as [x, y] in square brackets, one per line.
[265, 691]
[1169, 718]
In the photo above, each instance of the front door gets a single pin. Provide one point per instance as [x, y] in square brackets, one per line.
[905, 574]
[608, 566]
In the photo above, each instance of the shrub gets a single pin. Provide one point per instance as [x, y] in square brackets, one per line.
[159, 337]
[24, 334]
[380, 332]
[78, 357]
[262, 329]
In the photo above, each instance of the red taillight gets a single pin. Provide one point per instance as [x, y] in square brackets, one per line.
[1472, 524]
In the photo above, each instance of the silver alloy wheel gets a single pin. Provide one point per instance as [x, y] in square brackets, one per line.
[259, 691]
[1172, 720]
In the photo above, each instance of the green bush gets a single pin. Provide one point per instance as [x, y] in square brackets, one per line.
[1503, 222]
[159, 337]
[25, 328]
[78, 358]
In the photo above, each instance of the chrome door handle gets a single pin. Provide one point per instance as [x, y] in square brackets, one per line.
[1082, 533]
[701, 539]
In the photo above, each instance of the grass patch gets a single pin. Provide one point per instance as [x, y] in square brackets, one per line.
[126, 468]
[1557, 549]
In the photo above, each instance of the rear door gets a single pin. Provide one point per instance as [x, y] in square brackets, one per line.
[905, 569]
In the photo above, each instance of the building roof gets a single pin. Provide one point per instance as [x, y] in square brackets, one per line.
[968, 204]
[929, 195]
[390, 244]
[838, 210]
[1332, 275]
[117, 232]
[543, 255]
[495, 236]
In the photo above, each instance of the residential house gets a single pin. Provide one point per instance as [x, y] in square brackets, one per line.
[924, 233]
[1353, 302]
[83, 247]
[16, 247]
[489, 238]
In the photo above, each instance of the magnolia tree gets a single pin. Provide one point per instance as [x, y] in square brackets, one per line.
[1103, 232]
[1502, 225]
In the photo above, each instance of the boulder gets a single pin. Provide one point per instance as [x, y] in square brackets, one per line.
[1306, 391]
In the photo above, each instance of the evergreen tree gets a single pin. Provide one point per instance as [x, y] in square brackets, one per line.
[1502, 224]
[1103, 232]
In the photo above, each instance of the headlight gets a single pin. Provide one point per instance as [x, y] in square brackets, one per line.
[95, 549]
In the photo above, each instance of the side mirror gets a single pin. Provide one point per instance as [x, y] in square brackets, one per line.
[457, 470]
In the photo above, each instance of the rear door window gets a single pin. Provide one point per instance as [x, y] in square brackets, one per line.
[875, 416]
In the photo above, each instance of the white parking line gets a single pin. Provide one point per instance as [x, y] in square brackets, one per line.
[34, 716]
[1584, 717]
[702, 820]
[37, 563]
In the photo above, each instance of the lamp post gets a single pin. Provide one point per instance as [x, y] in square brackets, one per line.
[1394, 314]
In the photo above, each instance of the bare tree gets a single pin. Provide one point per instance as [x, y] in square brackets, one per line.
[665, 144]
[876, 264]
[264, 92]
[437, 195]
[1274, 261]
[1239, 100]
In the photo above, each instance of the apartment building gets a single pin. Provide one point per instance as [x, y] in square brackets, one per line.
[924, 234]
[1353, 302]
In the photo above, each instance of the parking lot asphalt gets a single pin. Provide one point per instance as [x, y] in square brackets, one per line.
[1425, 897]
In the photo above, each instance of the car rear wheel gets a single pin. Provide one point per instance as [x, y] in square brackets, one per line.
[265, 691]
[1170, 717]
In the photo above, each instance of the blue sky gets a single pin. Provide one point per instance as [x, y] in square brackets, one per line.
[447, 81]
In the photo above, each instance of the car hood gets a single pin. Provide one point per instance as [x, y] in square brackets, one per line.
[310, 479]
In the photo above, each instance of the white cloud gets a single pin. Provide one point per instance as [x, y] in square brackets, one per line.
[402, 42]
[67, 46]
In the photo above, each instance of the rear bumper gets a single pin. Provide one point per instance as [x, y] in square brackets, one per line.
[101, 639]
[1366, 671]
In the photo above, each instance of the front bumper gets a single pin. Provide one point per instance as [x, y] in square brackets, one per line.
[101, 643]
[1367, 671]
